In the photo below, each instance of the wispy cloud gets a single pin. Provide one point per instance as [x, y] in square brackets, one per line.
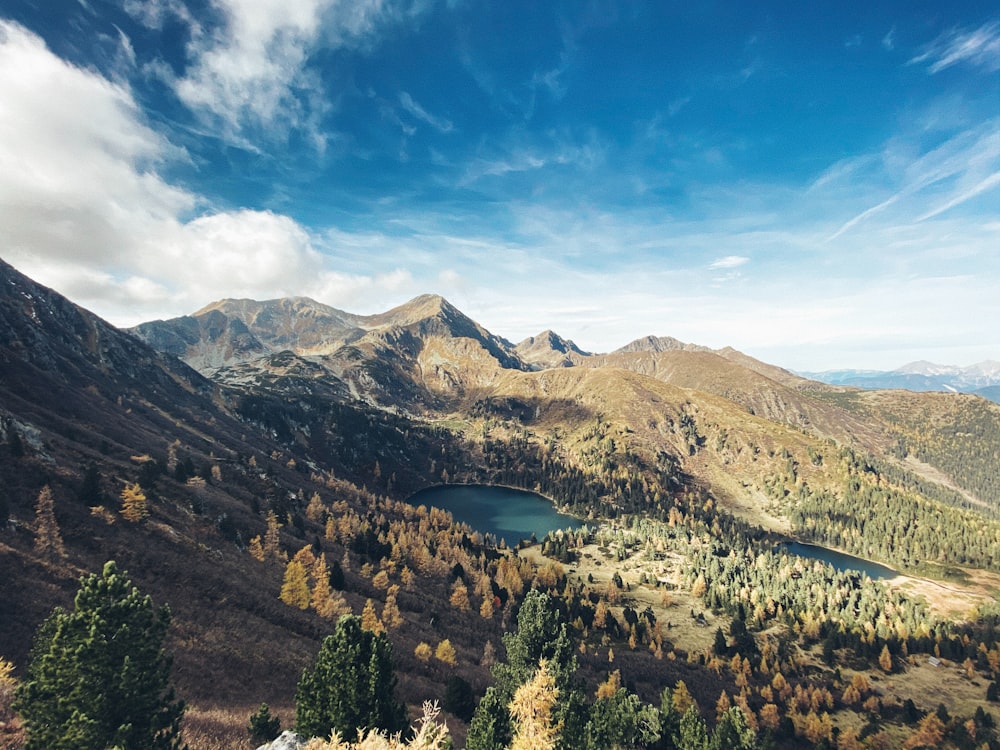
[978, 47]
[729, 261]
[440, 124]
[889, 40]
[954, 172]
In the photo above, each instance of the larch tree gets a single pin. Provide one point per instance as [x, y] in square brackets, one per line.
[445, 653]
[295, 588]
[48, 540]
[885, 659]
[532, 712]
[135, 506]
[98, 676]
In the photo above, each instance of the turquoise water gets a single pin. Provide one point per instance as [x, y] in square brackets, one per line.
[839, 560]
[511, 515]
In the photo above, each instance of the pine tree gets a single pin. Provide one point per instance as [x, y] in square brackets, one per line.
[541, 634]
[135, 507]
[263, 727]
[48, 541]
[98, 676]
[352, 685]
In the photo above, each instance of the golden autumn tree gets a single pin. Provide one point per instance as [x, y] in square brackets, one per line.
[390, 611]
[295, 588]
[423, 651]
[486, 610]
[445, 653]
[48, 540]
[929, 733]
[369, 620]
[135, 506]
[885, 659]
[460, 596]
[271, 537]
[531, 712]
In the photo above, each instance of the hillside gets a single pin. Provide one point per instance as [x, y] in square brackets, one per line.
[315, 425]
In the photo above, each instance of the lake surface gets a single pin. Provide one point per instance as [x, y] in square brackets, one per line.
[508, 514]
[839, 560]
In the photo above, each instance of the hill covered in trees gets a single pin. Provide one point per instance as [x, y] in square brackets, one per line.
[267, 501]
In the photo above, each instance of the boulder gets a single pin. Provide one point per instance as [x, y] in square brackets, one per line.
[288, 740]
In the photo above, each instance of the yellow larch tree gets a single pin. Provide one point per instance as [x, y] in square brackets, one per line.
[445, 653]
[369, 620]
[295, 588]
[531, 712]
[271, 537]
[135, 506]
[460, 596]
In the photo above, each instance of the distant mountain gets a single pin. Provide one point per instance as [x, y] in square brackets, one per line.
[658, 344]
[548, 349]
[979, 378]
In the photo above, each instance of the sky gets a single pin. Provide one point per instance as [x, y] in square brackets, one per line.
[816, 184]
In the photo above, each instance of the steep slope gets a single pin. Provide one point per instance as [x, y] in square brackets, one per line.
[86, 410]
[745, 382]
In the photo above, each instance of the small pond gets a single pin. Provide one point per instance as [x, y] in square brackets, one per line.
[839, 560]
[508, 514]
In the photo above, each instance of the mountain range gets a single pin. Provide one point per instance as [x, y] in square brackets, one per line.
[982, 378]
[248, 408]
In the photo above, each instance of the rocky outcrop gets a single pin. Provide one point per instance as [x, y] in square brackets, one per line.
[288, 740]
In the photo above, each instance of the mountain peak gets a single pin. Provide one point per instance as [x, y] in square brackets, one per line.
[548, 349]
[659, 344]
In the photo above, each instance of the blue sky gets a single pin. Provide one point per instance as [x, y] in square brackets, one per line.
[815, 184]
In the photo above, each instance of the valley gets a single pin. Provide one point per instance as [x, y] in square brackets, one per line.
[267, 434]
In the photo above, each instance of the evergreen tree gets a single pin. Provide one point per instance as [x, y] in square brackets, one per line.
[458, 698]
[263, 727]
[732, 733]
[541, 634]
[621, 721]
[352, 685]
[89, 493]
[98, 676]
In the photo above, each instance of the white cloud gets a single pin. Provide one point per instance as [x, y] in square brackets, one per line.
[252, 73]
[73, 185]
[978, 47]
[730, 261]
[85, 211]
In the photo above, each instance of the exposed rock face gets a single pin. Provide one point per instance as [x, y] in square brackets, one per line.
[549, 349]
[288, 740]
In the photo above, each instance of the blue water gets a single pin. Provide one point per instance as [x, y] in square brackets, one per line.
[511, 515]
[839, 560]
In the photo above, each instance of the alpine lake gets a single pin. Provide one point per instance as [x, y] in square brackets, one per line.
[512, 515]
[506, 513]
